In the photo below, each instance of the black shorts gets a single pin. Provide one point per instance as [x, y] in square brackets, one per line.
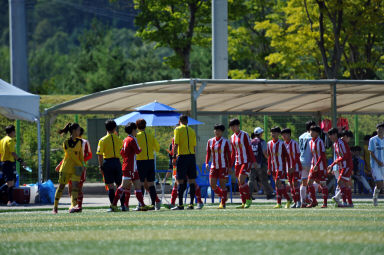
[186, 167]
[9, 171]
[146, 169]
[112, 171]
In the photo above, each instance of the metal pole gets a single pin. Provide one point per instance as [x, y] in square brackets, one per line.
[76, 118]
[39, 172]
[219, 39]
[18, 44]
[266, 127]
[356, 130]
[194, 109]
[334, 104]
[47, 154]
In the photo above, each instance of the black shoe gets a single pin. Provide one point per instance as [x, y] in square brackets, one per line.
[253, 198]
[190, 207]
[271, 196]
[124, 208]
[176, 208]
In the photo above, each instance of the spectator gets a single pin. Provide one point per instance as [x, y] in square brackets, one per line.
[358, 172]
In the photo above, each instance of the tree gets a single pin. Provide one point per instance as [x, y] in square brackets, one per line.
[325, 38]
[177, 24]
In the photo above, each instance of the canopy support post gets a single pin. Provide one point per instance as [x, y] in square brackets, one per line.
[356, 130]
[47, 154]
[18, 146]
[266, 127]
[39, 167]
[334, 104]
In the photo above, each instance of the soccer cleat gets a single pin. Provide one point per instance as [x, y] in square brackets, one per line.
[324, 206]
[270, 196]
[303, 206]
[336, 201]
[190, 207]
[294, 205]
[157, 206]
[78, 209]
[150, 207]
[54, 210]
[222, 206]
[248, 203]
[72, 210]
[177, 208]
[350, 205]
[311, 205]
[288, 204]
[124, 208]
[200, 206]
[169, 206]
[375, 203]
[298, 204]
[114, 208]
[241, 206]
[277, 206]
[12, 203]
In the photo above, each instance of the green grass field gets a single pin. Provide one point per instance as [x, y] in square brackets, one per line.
[259, 230]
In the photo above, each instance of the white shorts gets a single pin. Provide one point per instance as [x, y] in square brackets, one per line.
[378, 174]
[305, 172]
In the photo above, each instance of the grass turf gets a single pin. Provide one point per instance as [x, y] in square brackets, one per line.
[258, 230]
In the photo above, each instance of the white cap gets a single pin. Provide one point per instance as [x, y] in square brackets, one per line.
[258, 131]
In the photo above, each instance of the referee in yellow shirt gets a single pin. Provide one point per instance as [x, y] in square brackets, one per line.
[108, 151]
[146, 162]
[8, 160]
[184, 151]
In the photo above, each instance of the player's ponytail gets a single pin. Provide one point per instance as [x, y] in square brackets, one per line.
[66, 129]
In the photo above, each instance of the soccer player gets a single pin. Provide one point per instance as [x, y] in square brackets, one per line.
[305, 159]
[108, 151]
[184, 152]
[8, 159]
[130, 173]
[294, 153]
[242, 156]
[344, 160]
[318, 172]
[376, 149]
[219, 150]
[87, 156]
[145, 160]
[72, 166]
[279, 163]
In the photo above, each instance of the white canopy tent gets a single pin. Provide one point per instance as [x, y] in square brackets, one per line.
[17, 104]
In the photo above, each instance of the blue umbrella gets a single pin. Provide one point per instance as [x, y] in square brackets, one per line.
[155, 114]
[154, 119]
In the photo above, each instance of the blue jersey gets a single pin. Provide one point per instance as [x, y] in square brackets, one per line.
[305, 150]
[376, 145]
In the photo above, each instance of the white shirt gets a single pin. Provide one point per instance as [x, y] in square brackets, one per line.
[376, 145]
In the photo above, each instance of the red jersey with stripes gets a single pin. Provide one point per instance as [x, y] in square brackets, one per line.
[128, 152]
[294, 155]
[241, 149]
[87, 150]
[219, 150]
[343, 154]
[278, 157]
[318, 154]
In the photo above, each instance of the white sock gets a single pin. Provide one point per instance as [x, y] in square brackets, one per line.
[376, 192]
[338, 193]
[303, 193]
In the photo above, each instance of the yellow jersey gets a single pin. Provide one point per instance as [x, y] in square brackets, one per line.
[1, 148]
[185, 138]
[7, 145]
[109, 146]
[148, 144]
[74, 155]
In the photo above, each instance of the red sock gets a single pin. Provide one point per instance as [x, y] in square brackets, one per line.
[174, 195]
[293, 194]
[157, 200]
[242, 195]
[224, 199]
[344, 194]
[139, 196]
[246, 191]
[278, 196]
[218, 191]
[126, 198]
[349, 195]
[198, 194]
[312, 192]
[118, 194]
[324, 190]
[80, 196]
[285, 194]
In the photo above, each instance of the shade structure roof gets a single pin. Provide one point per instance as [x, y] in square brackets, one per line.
[258, 96]
[154, 119]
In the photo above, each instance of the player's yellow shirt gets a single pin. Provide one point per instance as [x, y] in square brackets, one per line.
[1, 148]
[8, 145]
[185, 138]
[109, 146]
[74, 155]
[148, 144]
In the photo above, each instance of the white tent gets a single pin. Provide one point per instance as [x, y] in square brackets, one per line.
[17, 104]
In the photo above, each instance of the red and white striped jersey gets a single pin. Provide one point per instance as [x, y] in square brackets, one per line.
[294, 154]
[87, 150]
[220, 152]
[318, 154]
[128, 152]
[278, 158]
[343, 154]
[241, 149]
